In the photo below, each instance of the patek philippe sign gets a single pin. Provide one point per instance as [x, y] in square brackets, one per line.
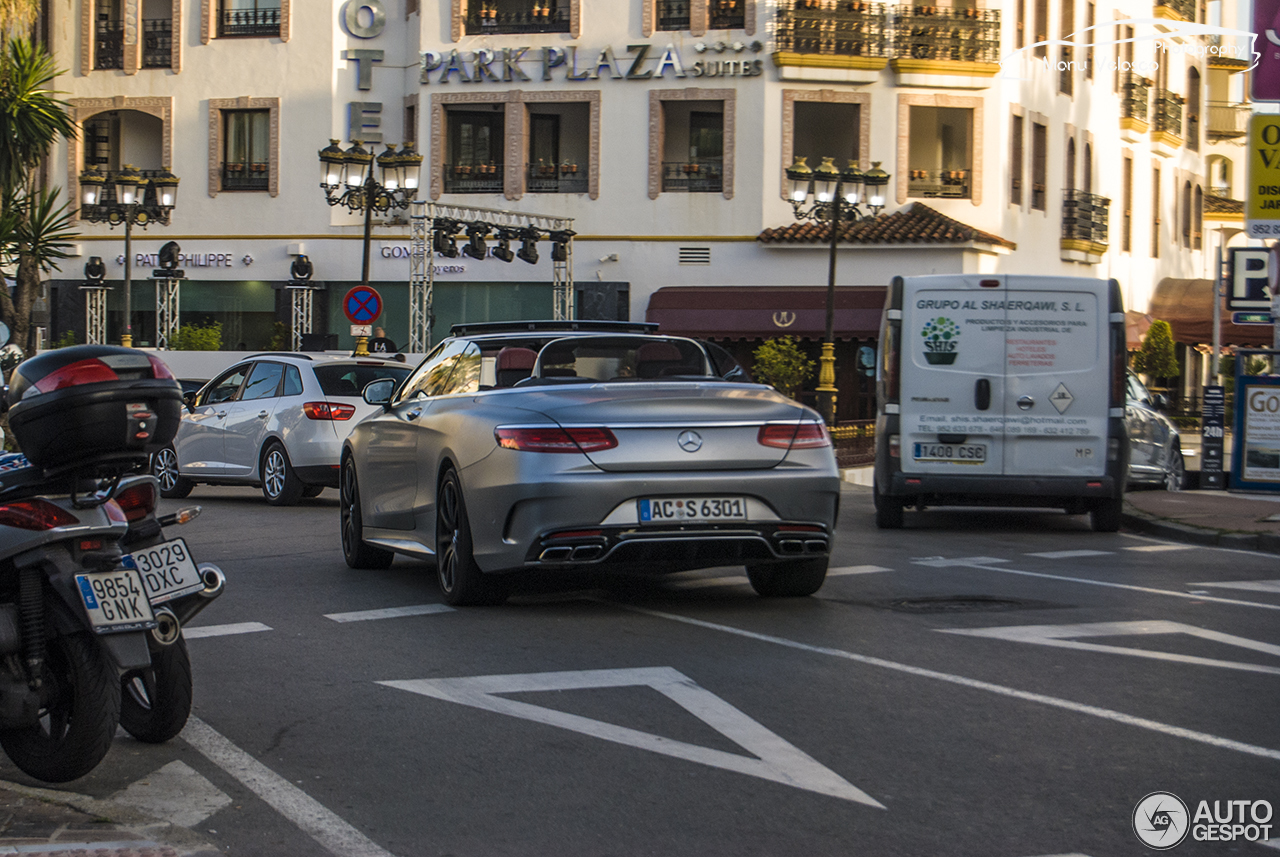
[572, 63]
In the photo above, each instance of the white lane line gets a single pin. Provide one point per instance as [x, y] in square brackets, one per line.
[856, 569]
[1158, 548]
[969, 563]
[1271, 843]
[389, 613]
[977, 684]
[1069, 554]
[224, 630]
[1248, 585]
[335, 835]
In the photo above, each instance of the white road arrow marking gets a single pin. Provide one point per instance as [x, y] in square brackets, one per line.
[389, 613]
[1062, 636]
[224, 630]
[776, 760]
[175, 793]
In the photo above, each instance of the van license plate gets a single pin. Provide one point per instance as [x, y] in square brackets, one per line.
[115, 601]
[954, 453]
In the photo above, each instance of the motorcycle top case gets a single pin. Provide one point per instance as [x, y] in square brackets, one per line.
[93, 405]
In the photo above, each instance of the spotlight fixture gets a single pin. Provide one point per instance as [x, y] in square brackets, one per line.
[94, 271]
[476, 234]
[301, 269]
[528, 251]
[169, 254]
[443, 239]
[503, 250]
[560, 244]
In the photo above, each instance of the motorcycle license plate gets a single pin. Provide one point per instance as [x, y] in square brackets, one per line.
[115, 601]
[167, 570]
[661, 510]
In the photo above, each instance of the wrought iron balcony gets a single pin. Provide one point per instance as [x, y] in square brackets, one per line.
[673, 14]
[108, 46]
[854, 29]
[246, 176]
[540, 18]
[728, 14]
[950, 184]
[1185, 9]
[1228, 120]
[157, 42]
[552, 178]
[1168, 112]
[1084, 216]
[249, 22]
[1135, 97]
[473, 178]
[944, 33]
[706, 175]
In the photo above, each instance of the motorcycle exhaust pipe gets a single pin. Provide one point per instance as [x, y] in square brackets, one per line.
[187, 607]
[169, 629]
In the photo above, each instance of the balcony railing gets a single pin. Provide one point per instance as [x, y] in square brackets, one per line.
[728, 14]
[246, 176]
[537, 19]
[1168, 112]
[944, 33]
[855, 29]
[706, 175]
[108, 46]
[1186, 9]
[1135, 97]
[552, 178]
[1084, 216]
[157, 42]
[473, 178]
[950, 184]
[673, 14]
[1228, 120]
[249, 22]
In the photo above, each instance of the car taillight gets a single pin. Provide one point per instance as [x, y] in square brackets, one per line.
[794, 436]
[35, 514]
[327, 411]
[137, 501]
[555, 439]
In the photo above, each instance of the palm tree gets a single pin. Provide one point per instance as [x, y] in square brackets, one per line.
[34, 230]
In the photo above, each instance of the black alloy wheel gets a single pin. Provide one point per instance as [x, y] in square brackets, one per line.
[461, 580]
[354, 550]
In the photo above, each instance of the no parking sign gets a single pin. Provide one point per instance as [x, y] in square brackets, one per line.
[362, 305]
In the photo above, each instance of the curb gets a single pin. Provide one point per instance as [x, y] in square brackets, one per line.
[1144, 523]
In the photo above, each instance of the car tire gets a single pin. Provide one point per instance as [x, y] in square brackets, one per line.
[156, 702]
[461, 580]
[280, 484]
[310, 491]
[1175, 474]
[354, 550]
[792, 579]
[164, 467]
[1104, 515]
[889, 510]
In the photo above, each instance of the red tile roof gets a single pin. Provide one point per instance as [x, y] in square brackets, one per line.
[1222, 205]
[918, 224]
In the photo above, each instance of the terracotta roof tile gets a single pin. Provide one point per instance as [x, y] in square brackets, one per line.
[1222, 205]
[918, 224]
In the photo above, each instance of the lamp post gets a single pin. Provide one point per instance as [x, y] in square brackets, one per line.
[133, 199]
[837, 195]
[348, 180]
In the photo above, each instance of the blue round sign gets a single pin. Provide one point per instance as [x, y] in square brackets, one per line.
[362, 305]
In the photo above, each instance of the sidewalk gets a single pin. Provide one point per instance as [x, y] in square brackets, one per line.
[35, 822]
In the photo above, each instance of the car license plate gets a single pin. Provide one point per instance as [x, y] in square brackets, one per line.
[115, 601]
[955, 453]
[660, 510]
[167, 570]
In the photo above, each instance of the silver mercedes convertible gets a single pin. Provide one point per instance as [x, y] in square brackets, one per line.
[577, 445]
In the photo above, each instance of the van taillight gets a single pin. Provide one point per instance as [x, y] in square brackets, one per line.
[895, 446]
[1118, 367]
[35, 514]
[989, 284]
[891, 358]
[137, 501]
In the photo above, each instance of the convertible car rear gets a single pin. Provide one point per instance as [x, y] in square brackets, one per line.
[584, 448]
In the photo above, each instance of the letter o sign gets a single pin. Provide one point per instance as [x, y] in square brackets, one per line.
[377, 18]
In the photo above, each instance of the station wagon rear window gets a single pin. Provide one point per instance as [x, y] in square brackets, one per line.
[345, 379]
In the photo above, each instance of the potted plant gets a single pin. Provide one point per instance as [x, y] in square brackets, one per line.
[235, 166]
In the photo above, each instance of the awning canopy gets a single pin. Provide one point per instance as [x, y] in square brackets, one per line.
[1188, 307]
[760, 312]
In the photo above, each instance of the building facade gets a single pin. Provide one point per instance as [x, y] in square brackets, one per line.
[1070, 137]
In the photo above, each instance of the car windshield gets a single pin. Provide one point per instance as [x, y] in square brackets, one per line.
[347, 379]
[621, 358]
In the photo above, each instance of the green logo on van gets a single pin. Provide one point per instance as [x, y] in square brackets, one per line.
[941, 336]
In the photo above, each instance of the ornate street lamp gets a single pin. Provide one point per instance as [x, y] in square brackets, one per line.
[348, 179]
[135, 199]
[837, 195]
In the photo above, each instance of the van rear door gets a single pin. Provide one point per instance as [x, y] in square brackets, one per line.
[953, 376]
[1057, 376]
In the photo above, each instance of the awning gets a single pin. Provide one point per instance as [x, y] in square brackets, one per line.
[1188, 307]
[1136, 325]
[760, 312]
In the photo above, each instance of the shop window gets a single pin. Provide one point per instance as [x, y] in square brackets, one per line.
[940, 152]
[246, 160]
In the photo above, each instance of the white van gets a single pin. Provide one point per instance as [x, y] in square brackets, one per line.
[1001, 390]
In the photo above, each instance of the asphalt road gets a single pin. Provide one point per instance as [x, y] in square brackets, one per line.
[979, 683]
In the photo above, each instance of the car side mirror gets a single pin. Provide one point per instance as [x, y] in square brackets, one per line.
[379, 392]
[189, 399]
[1159, 402]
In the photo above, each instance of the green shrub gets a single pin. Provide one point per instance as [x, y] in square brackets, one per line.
[66, 340]
[781, 364]
[195, 337]
[279, 337]
[1157, 358]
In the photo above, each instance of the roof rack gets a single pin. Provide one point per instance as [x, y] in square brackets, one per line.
[469, 328]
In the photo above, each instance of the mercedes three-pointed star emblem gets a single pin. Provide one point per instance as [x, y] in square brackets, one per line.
[690, 441]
